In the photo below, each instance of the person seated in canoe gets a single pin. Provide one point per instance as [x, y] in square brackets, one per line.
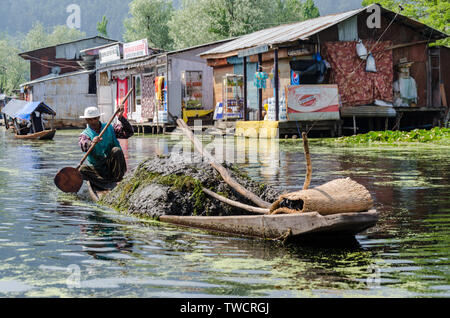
[22, 126]
[106, 163]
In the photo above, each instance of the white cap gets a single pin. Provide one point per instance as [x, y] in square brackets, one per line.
[91, 112]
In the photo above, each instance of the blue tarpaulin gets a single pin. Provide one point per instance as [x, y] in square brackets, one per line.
[40, 107]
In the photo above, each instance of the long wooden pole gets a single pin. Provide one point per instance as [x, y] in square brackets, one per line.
[223, 172]
[235, 203]
[308, 162]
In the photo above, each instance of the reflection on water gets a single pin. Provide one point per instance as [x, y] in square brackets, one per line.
[54, 244]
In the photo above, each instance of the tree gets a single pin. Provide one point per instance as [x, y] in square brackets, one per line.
[39, 37]
[434, 13]
[309, 10]
[229, 18]
[202, 21]
[13, 69]
[149, 19]
[189, 26]
[102, 27]
[287, 11]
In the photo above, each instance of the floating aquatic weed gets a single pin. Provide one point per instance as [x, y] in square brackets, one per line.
[435, 135]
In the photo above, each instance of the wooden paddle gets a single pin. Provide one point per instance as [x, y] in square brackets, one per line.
[70, 180]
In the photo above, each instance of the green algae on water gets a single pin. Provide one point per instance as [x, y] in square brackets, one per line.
[435, 135]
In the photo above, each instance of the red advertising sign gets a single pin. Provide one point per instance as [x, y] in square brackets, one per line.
[122, 90]
[135, 49]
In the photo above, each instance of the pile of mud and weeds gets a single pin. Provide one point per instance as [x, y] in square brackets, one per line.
[173, 186]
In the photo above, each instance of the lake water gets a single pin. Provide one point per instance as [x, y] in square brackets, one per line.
[58, 245]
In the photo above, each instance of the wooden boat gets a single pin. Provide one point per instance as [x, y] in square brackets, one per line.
[43, 135]
[32, 113]
[277, 227]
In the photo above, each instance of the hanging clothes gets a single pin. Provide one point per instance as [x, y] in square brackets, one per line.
[148, 96]
[356, 86]
[260, 80]
[159, 86]
[122, 90]
[407, 89]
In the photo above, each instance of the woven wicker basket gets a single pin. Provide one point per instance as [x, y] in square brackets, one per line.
[337, 196]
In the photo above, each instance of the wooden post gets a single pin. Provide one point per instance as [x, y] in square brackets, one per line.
[245, 88]
[277, 87]
[260, 101]
[443, 96]
[308, 161]
[167, 78]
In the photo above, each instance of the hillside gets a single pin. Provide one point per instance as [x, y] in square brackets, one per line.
[18, 16]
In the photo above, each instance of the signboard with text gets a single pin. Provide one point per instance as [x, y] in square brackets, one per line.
[253, 51]
[135, 49]
[109, 54]
[313, 102]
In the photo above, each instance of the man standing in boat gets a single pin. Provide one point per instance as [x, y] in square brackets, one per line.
[106, 162]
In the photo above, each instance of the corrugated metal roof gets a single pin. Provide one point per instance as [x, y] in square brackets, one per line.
[70, 42]
[303, 30]
[55, 76]
[284, 33]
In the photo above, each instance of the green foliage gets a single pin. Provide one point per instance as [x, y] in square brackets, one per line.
[39, 36]
[418, 135]
[102, 27]
[203, 21]
[434, 13]
[13, 69]
[189, 26]
[149, 19]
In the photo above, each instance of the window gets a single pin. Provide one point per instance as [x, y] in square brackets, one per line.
[138, 92]
[192, 89]
[92, 83]
[348, 30]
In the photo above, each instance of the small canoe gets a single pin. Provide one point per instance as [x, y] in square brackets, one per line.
[276, 227]
[281, 226]
[43, 135]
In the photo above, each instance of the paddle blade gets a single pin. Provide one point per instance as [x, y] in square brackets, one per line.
[69, 180]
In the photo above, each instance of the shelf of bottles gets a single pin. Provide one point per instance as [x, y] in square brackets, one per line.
[233, 96]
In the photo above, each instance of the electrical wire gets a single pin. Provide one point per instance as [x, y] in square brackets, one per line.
[37, 60]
